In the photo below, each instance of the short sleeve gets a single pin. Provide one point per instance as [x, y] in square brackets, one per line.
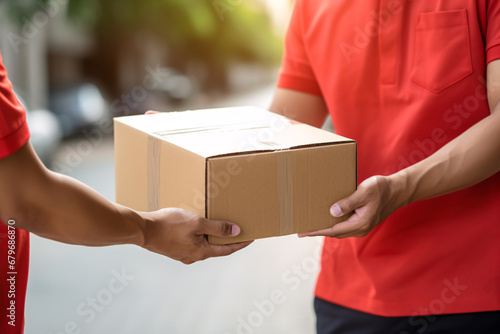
[493, 31]
[14, 131]
[296, 72]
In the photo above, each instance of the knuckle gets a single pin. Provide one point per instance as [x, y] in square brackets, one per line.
[218, 228]
[224, 229]
[346, 203]
[369, 191]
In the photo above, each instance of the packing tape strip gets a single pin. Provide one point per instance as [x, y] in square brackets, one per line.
[285, 190]
[154, 151]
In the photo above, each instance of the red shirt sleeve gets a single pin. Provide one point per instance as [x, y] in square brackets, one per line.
[493, 31]
[14, 243]
[296, 72]
[14, 131]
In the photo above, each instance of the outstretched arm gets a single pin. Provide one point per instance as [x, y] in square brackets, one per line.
[58, 207]
[465, 161]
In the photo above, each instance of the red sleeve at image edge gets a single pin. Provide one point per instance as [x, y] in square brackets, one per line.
[14, 141]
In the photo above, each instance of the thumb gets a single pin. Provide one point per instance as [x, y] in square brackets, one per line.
[347, 205]
[220, 228]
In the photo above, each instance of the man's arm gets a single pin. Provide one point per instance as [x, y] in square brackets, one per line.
[58, 207]
[467, 160]
[305, 108]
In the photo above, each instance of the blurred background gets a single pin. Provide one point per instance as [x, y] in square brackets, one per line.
[76, 64]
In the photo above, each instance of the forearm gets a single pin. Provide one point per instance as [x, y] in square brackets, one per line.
[468, 159]
[71, 212]
[465, 161]
[60, 208]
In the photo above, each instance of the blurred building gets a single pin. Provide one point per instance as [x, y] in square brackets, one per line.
[43, 49]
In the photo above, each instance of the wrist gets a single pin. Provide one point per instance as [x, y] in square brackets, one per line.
[400, 190]
[155, 230]
[138, 222]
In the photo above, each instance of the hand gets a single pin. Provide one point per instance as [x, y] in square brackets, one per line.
[184, 238]
[376, 199]
[181, 235]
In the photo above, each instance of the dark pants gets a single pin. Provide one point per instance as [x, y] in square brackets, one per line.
[335, 319]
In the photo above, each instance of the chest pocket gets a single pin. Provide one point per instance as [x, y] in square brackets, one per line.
[442, 55]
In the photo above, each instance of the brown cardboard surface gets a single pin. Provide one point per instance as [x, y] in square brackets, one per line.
[182, 179]
[244, 165]
[131, 159]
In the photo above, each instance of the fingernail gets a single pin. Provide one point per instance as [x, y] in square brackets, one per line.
[336, 211]
[235, 230]
[149, 112]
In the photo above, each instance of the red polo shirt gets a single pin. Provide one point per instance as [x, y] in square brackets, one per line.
[14, 243]
[403, 78]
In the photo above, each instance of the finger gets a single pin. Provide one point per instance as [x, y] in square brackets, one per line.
[223, 250]
[353, 202]
[332, 232]
[345, 229]
[324, 233]
[349, 228]
[339, 209]
[220, 228]
[328, 232]
[150, 112]
[347, 205]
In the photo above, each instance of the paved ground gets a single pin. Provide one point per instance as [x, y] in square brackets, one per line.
[266, 288]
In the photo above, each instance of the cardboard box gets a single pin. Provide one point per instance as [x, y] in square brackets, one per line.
[269, 175]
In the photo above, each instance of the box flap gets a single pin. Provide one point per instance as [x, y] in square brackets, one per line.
[206, 120]
[230, 131]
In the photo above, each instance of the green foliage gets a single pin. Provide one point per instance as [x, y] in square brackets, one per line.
[214, 32]
[194, 28]
[228, 28]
